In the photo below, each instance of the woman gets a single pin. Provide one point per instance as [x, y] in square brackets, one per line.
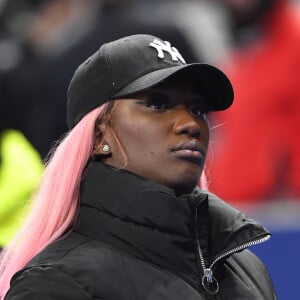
[118, 214]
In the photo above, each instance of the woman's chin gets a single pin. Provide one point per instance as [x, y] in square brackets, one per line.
[184, 186]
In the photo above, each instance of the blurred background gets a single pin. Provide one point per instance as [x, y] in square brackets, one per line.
[254, 160]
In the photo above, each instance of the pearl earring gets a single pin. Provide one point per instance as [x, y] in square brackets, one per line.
[106, 148]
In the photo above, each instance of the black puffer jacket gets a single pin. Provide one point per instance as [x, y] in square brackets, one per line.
[136, 240]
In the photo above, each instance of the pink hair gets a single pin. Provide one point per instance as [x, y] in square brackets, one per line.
[203, 181]
[55, 207]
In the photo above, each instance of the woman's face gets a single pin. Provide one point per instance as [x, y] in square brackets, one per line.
[161, 134]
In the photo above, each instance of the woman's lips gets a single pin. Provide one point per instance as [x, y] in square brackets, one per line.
[189, 153]
[191, 150]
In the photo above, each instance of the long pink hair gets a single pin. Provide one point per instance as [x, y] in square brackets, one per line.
[203, 181]
[55, 206]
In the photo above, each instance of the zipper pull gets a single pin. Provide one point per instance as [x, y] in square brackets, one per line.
[209, 282]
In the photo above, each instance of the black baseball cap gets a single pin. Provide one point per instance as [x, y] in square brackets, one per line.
[135, 63]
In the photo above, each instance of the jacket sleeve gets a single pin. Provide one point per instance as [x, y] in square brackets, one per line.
[254, 274]
[45, 283]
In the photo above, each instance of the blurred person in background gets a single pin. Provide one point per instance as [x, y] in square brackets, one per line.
[20, 172]
[56, 36]
[257, 146]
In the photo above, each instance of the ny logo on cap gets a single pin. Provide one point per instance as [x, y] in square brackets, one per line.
[166, 46]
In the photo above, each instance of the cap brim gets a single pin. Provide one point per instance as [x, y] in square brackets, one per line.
[212, 82]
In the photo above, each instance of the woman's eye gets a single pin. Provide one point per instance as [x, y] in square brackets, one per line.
[198, 111]
[157, 104]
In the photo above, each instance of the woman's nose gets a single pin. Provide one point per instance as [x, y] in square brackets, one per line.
[186, 123]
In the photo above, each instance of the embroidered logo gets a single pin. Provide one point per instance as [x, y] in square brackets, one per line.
[161, 46]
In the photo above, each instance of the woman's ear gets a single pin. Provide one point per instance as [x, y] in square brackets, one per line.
[101, 141]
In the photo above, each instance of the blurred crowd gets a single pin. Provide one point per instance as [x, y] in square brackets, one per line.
[255, 153]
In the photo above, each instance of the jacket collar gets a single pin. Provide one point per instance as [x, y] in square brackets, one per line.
[149, 221]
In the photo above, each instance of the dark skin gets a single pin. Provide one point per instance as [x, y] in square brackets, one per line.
[161, 134]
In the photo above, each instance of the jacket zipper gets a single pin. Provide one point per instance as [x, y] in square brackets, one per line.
[209, 282]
